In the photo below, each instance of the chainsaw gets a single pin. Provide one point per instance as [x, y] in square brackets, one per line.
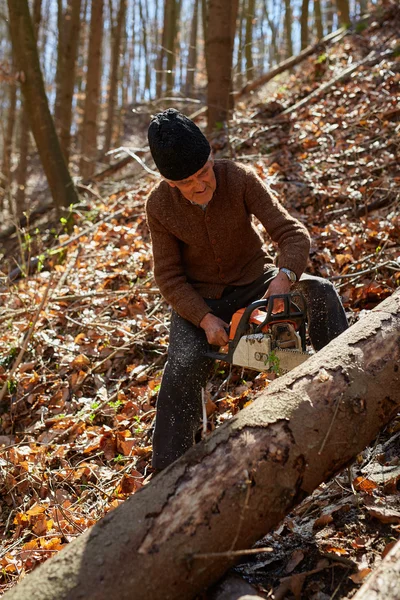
[264, 340]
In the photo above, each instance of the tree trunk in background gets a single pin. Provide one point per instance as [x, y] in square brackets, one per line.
[161, 54]
[329, 10]
[241, 24]
[144, 29]
[343, 11]
[251, 6]
[273, 47]
[70, 24]
[219, 50]
[24, 134]
[363, 6]
[23, 153]
[318, 19]
[304, 24]
[204, 20]
[27, 59]
[114, 72]
[5, 176]
[89, 150]
[173, 538]
[192, 58]
[288, 28]
[172, 10]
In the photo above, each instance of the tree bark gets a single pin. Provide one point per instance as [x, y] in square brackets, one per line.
[318, 19]
[171, 31]
[384, 583]
[251, 7]
[92, 98]
[25, 134]
[161, 53]
[288, 28]
[192, 58]
[5, 174]
[176, 536]
[70, 25]
[42, 125]
[343, 10]
[115, 62]
[221, 34]
[304, 24]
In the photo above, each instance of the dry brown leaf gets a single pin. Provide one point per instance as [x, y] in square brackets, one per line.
[336, 550]
[322, 521]
[360, 575]
[388, 548]
[295, 559]
[385, 515]
[362, 484]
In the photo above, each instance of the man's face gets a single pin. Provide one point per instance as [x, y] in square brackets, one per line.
[200, 187]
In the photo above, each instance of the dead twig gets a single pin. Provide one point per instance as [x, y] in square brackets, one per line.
[27, 339]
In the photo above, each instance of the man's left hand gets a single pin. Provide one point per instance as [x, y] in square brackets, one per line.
[279, 285]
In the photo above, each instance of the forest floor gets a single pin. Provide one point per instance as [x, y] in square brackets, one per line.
[83, 336]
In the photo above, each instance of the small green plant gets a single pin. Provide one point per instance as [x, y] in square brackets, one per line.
[118, 458]
[322, 58]
[360, 27]
[116, 404]
[11, 386]
[95, 405]
[6, 361]
[40, 265]
[273, 363]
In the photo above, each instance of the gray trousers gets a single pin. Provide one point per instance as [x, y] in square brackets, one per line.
[179, 407]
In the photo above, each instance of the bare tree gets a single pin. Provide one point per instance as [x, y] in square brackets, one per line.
[318, 19]
[27, 59]
[92, 97]
[219, 49]
[304, 24]
[69, 36]
[25, 132]
[117, 29]
[250, 14]
[171, 32]
[8, 136]
[192, 57]
[288, 28]
[343, 10]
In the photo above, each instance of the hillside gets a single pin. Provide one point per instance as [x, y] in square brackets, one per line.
[84, 331]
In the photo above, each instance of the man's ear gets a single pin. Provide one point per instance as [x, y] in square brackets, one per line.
[170, 183]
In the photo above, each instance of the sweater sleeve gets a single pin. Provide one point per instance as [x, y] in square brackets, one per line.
[170, 276]
[291, 236]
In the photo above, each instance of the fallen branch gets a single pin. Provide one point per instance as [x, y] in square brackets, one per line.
[192, 507]
[371, 59]
[26, 341]
[291, 62]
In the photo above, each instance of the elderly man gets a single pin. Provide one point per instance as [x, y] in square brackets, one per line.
[209, 261]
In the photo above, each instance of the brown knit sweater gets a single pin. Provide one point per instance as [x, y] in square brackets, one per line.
[197, 252]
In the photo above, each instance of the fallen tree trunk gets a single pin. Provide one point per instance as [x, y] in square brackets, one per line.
[176, 536]
[384, 583]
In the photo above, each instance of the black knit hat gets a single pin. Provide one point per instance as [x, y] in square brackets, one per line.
[177, 145]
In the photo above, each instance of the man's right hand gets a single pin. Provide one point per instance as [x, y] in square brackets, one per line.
[214, 328]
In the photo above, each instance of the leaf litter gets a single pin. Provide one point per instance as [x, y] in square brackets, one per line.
[77, 413]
